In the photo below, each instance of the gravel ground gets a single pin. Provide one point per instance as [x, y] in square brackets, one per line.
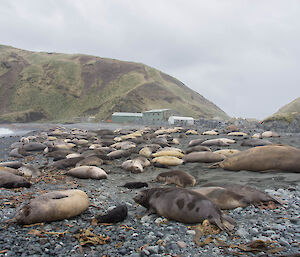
[140, 235]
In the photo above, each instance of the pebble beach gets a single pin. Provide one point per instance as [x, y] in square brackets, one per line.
[142, 235]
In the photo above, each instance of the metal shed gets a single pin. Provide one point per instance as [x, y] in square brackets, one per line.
[157, 115]
[120, 117]
[178, 120]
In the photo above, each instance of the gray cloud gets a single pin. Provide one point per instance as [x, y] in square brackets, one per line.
[242, 55]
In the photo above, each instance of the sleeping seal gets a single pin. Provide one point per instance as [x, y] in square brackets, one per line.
[53, 206]
[183, 205]
[223, 197]
[282, 158]
[177, 177]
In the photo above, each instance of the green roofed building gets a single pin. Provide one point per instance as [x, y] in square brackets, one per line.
[157, 115]
[123, 117]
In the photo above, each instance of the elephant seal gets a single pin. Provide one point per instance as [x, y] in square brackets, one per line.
[86, 172]
[250, 194]
[135, 185]
[269, 134]
[117, 214]
[53, 206]
[165, 161]
[264, 158]
[65, 163]
[136, 165]
[118, 154]
[195, 142]
[58, 154]
[177, 177]
[218, 142]
[34, 146]
[237, 134]
[223, 198]
[197, 148]
[168, 153]
[256, 142]
[227, 152]
[124, 145]
[206, 157]
[9, 180]
[183, 205]
[92, 160]
[29, 170]
[11, 164]
[210, 133]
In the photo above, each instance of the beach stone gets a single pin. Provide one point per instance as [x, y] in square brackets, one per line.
[242, 232]
[145, 252]
[191, 232]
[181, 244]
[153, 249]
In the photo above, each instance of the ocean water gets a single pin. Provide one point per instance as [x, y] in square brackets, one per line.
[5, 132]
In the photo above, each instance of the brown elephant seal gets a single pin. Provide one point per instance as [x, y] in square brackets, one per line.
[90, 161]
[136, 165]
[58, 154]
[227, 152]
[9, 180]
[218, 142]
[11, 164]
[205, 157]
[195, 142]
[34, 146]
[197, 148]
[28, 170]
[168, 152]
[223, 198]
[256, 142]
[264, 158]
[66, 163]
[269, 134]
[251, 194]
[86, 172]
[237, 134]
[177, 177]
[183, 205]
[210, 133]
[53, 206]
[117, 214]
[166, 161]
[118, 154]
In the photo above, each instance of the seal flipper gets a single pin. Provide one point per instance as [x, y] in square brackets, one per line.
[215, 165]
[228, 222]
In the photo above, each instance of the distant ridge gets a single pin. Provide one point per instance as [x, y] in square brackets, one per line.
[39, 86]
[286, 113]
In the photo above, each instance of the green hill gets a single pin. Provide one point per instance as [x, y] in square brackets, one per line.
[286, 113]
[57, 87]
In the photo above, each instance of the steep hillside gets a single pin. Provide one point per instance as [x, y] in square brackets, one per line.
[286, 113]
[57, 87]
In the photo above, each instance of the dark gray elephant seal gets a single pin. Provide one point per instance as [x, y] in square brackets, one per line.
[9, 180]
[223, 197]
[177, 177]
[183, 205]
[251, 194]
[53, 206]
[256, 142]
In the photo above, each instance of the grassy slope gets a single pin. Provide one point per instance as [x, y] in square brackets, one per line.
[62, 86]
[286, 113]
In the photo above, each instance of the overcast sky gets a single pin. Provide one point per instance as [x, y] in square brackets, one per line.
[244, 56]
